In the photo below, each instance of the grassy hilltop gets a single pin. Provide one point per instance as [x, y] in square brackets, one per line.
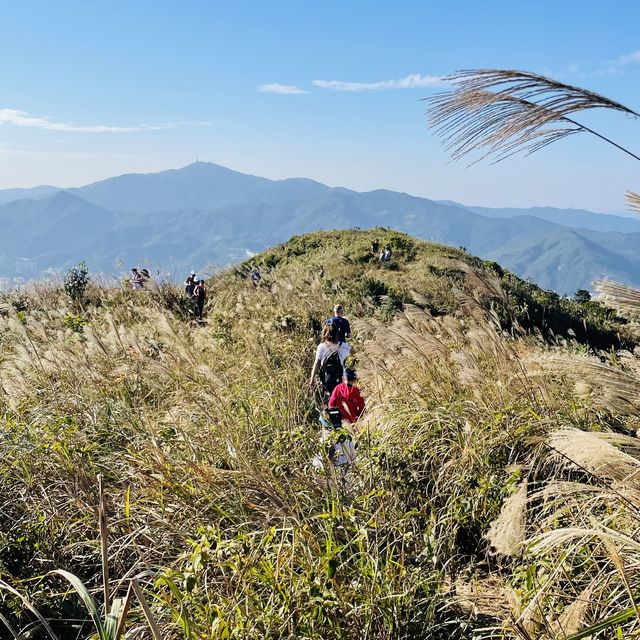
[495, 486]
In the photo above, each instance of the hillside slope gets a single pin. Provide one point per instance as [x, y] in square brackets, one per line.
[205, 435]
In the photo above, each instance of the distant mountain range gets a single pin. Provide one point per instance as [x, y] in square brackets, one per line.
[205, 214]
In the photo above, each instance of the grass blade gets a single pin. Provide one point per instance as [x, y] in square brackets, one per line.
[87, 598]
[617, 618]
[123, 612]
[7, 624]
[112, 619]
[155, 630]
[104, 551]
[28, 605]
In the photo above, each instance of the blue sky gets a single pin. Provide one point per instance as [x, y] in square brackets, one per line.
[91, 90]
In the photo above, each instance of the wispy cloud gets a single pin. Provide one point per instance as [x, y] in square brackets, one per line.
[276, 87]
[25, 119]
[412, 81]
[629, 58]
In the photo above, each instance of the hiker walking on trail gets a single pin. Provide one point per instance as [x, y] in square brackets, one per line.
[344, 329]
[255, 277]
[190, 283]
[375, 245]
[329, 362]
[200, 294]
[347, 399]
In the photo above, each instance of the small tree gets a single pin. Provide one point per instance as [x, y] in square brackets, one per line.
[581, 296]
[76, 281]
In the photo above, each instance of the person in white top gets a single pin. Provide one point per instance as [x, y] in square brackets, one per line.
[137, 281]
[326, 349]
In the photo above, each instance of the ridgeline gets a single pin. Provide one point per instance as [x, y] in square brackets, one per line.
[483, 392]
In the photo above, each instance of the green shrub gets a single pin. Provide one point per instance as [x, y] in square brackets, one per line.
[581, 296]
[491, 265]
[75, 323]
[76, 281]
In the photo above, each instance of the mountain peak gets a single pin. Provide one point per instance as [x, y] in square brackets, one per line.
[199, 185]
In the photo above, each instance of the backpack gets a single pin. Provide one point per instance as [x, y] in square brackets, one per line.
[335, 417]
[331, 371]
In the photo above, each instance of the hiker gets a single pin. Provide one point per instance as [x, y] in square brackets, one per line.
[255, 277]
[375, 245]
[347, 399]
[321, 272]
[344, 329]
[329, 361]
[137, 281]
[145, 277]
[190, 283]
[385, 254]
[200, 294]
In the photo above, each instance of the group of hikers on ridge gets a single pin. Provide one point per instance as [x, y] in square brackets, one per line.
[338, 382]
[341, 399]
[385, 253]
[196, 290]
[139, 278]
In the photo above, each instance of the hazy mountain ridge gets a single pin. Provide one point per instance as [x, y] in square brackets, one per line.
[187, 218]
[579, 218]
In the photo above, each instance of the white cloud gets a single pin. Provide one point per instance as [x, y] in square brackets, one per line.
[628, 58]
[276, 87]
[413, 81]
[24, 119]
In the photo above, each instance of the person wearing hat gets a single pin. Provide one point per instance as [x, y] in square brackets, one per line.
[344, 329]
[190, 283]
[346, 397]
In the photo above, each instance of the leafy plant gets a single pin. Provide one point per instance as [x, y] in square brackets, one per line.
[74, 323]
[582, 296]
[76, 281]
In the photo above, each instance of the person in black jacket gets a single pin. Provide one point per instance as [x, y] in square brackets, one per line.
[200, 294]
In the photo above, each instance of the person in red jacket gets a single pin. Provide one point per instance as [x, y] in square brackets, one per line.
[346, 397]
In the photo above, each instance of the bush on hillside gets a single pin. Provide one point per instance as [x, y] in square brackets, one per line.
[75, 282]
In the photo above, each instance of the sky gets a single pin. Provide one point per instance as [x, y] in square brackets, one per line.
[329, 90]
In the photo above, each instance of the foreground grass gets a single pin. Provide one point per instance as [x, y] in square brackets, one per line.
[204, 436]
